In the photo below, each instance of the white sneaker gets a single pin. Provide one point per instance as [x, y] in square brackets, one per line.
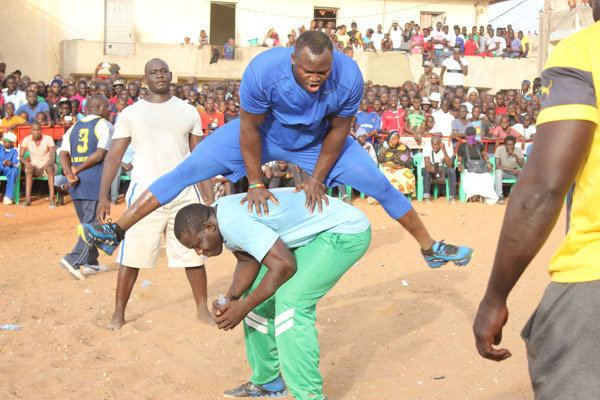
[7, 201]
[74, 272]
[92, 269]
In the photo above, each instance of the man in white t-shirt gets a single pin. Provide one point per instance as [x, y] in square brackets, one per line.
[395, 33]
[443, 119]
[455, 68]
[377, 37]
[438, 155]
[162, 129]
[527, 130]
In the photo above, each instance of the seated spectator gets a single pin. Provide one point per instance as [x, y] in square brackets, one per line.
[11, 121]
[232, 111]
[474, 162]
[476, 121]
[33, 107]
[527, 130]
[12, 94]
[210, 114]
[229, 49]
[282, 174]
[361, 138]
[508, 161]
[426, 106]
[124, 169]
[460, 124]
[40, 118]
[393, 118]
[504, 129]
[42, 162]
[386, 43]
[81, 94]
[54, 98]
[438, 167]
[65, 113]
[415, 120]
[396, 160]
[443, 118]
[9, 165]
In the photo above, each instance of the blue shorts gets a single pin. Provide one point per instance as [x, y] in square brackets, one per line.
[220, 154]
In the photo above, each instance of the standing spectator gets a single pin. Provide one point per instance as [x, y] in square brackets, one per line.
[342, 36]
[202, 39]
[367, 120]
[81, 94]
[438, 162]
[33, 107]
[42, 154]
[395, 33]
[439, 39]
[515, 50]
[417, 41]
[229, 49]
[443, 118]
[393, 118]
[457, 68]
[232, 111]
[471, 46]
[508, 161]
[82, 156]
[54, 98]
[477, 180]
[386, 43]
[525, 44]
[425, 79]
[12, 94]
[460, 124]
[483, 41]
[415, 119]
[11, 121]
[353, 33]
[378, 38]
[9, 165]
[211, 115]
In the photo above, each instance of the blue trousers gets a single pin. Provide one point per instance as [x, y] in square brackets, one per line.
[220, 154]
[82, 253]
[11, 175]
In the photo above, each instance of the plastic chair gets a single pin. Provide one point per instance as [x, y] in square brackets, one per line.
[41, 178]
[419, 162]
[507, 181]
[17, 190]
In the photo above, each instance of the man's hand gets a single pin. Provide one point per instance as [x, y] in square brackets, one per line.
[103, 211]
[430, 168]
[257, 198]
[490, 167]
[315, 193]
[516, 171]
[488, 330]
[228, 316]
[73, 179]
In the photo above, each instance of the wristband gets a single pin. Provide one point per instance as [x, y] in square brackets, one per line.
[257, 186]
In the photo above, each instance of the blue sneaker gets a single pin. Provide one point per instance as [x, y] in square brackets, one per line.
[103, 236]
[443, 252]
[275, 388]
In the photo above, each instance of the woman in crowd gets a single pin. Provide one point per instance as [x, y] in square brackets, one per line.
[417, 42]
[473, 161]
[397, 163]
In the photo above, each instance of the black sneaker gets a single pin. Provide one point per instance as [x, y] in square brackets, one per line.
[275, 388]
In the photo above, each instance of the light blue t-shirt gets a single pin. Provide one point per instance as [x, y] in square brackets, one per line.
[295, 118]
[290, 221]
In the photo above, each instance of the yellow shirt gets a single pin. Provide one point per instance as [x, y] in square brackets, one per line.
[571, 91]
[13, 121]
[525, 41]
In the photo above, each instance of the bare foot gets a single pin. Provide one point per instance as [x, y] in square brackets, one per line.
[116, 323]
[205, 316]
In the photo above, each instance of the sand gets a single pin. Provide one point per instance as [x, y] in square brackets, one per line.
[391, 329]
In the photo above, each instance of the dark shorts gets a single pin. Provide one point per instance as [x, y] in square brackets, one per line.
[563, 342]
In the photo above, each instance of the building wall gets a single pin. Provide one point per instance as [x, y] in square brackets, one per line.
[33, 29]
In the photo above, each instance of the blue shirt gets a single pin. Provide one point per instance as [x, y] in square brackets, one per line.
[368, 120]
[295, 118]
[228, 51]
[128, 156]
[31, 113]
[11, 155]
[290, 221]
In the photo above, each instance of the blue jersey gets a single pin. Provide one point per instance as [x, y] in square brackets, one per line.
[295, 118]
[368, 120]
[290, 221]
[84, 141]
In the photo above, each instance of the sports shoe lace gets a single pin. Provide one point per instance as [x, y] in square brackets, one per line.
[447, 249]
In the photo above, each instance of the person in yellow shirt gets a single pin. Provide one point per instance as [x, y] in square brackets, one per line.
[525, 44]
[11, 121]
[562, 336]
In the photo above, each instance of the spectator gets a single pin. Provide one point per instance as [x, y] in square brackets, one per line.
[443, 118]
[12, 94]
[342, 36]
[143, 93]
[291, 41]
[367, 120]
[460, 124]
[438, 168]
[393, 118]
[477, 180]
[508, 161]
[229, 49]
[459, 39]
[415, 118]
[425, 79]
[471, 46]
[395, 33]
[497, 44]
[515, 49]
[33, 107]
[9, 165]
[386, 43]
[396, 160]
[476, 121]
[527, 130]
[210, 115]
[281, 174]
[406, 38]
[378, 38]
[81, 94]
[125, 168]
[525, 43]
[504, 129]
[500, 104]
[435, 99]
[361, 138]
[202, 39]
[42, 163]
[40, 118]
[457, 68]
[54, 98]
[11, 121]
[439, 40]
[133, 91]
[353, 33]
[232, 111]
[417, 41]
[483, 41]
[472, 96]
[65, 113]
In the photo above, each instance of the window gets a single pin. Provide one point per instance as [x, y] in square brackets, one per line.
[118, 28]
[430, 19]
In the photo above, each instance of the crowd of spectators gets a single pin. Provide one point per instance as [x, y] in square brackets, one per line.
[393, 123]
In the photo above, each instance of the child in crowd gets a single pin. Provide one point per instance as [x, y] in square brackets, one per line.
[9, 165]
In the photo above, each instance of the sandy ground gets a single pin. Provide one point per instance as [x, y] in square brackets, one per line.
[391, 329]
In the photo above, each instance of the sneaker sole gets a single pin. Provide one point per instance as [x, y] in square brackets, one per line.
[466, 260]
[260, 396]
[74, 273]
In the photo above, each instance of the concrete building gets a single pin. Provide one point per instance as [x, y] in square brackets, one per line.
[45, 37]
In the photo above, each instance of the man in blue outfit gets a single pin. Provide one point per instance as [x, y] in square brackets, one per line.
[297, 105]
[303, 256]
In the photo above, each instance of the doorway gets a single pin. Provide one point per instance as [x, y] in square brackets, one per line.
[222, 23]
[430, 19]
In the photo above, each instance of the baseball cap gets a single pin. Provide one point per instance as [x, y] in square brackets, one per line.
[425, 100]
[428, 64]
[527, 82]
[119, 82]
[60, 82]
[9, 137]
[435, 96]
[213, 126]
[470, 131]
[361, 132]
[395, 21]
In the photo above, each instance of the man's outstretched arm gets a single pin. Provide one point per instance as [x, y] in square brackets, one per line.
[531, 214]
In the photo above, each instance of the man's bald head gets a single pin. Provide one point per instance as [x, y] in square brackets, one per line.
[436, 140]
[98, 105]
[154, 63]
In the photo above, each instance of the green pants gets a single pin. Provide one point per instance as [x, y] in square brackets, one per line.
[280, 333]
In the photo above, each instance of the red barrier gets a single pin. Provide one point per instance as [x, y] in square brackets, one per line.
[56, 132]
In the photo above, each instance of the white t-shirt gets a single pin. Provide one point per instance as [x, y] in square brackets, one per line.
[454, 75]
[396, 37]
[104, 131]
[443, 122]
[439, 156]
[377, 38]
[497, 40]
[160, 134]
[525, 132]
[438, 35]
